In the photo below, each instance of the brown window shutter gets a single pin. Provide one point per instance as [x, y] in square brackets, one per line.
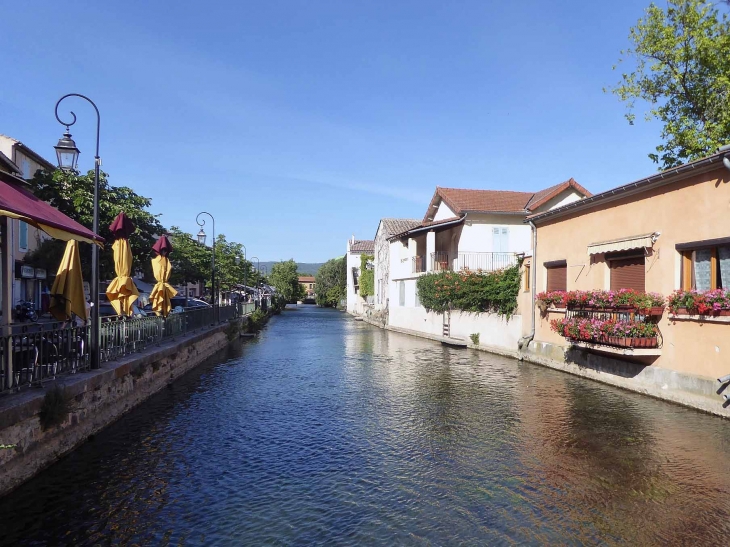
[628, 273]
[557, 278]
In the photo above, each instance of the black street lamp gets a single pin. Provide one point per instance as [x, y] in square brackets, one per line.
[68, 156]
[201, 240]
[245, 268]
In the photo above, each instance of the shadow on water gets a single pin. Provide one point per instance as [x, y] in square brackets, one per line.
[329, 431]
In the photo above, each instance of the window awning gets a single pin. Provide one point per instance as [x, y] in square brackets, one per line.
[17, 202]
[623, 244]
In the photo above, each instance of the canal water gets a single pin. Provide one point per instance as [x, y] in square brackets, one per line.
[329, 431]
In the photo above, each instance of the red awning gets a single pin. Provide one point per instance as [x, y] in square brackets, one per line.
[17, 202]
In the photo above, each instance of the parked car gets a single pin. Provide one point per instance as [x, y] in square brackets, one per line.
[197, 303]
[107, 310]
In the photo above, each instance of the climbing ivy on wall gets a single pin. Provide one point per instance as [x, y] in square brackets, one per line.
[470, 291]
[367, 275]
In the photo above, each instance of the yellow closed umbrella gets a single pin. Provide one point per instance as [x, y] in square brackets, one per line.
[162, 292]
[67, 293]
[122, 292]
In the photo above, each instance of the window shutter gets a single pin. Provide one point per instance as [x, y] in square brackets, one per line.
[628, 273]
[496, 241]
[557, 278]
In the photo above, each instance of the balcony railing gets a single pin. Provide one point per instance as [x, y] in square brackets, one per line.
[419, 264]
[41, 351]
[440, 261]
[485, 261]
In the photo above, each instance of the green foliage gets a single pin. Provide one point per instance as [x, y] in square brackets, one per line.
[73, 195]
[285, 279]
[471, 291]
[256, 321]
[474, 338]
[190, 260]
[682, 70]
[229, 271]
[367, 276]
[331, 282]
[55, 408]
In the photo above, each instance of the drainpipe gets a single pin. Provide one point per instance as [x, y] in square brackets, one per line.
[525, 340]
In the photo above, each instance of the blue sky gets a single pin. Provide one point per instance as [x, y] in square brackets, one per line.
[300, 123]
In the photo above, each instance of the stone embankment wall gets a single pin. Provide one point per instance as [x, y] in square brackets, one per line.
[95, 399]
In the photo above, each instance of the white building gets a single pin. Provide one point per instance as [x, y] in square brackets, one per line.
[355, 248]
[387, 228]
[466, 229]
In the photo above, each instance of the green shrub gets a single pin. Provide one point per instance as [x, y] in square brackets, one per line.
[470, 291]
[55, 408]
[367, 276]
[256, 321]
[474, 338]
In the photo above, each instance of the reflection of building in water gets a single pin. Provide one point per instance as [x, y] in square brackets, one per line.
[624, 465]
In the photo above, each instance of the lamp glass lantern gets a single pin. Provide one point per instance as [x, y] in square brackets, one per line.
[67, 153]
[201, 237]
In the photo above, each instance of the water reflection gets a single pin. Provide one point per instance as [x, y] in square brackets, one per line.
[326, 430]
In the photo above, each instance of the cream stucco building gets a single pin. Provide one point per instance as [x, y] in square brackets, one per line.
[665, 232]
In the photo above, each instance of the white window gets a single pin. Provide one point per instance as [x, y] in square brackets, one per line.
[500, 239]
[418, 298]
[402, 293]
[23, 236]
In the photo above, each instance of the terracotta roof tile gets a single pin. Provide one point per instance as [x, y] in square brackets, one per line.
[362, 246]
[461, 200]
[393, 226]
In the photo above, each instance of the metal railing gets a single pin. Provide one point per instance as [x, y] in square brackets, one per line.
[419, 264]
[440, 261]
[41, 351]
[485, 261]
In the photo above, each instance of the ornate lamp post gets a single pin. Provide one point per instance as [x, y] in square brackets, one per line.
[68, 156]
[201, 240]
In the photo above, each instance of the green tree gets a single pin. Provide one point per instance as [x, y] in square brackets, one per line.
[231, 267]
[189, 259]
[331, 282]
[367, 276]
[682, 69]
[285, 279]
[73, 195]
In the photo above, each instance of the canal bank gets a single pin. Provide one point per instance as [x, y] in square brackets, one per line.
[39, 426]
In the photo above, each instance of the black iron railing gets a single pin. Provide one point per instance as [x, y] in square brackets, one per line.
[419, 264]
[440, 261]
[41, 351]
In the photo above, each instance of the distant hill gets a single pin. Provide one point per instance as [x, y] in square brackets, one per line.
[303, 267]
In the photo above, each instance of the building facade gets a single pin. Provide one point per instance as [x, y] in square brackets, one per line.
[467, 230]
[387, 228]
[309, 284]
[19, 161]
[667, 232]
[355, 248]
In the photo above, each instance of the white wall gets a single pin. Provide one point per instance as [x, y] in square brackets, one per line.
[561, 199]
[354, 302]
[444, 211]
[476, 235]
[493, 330]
